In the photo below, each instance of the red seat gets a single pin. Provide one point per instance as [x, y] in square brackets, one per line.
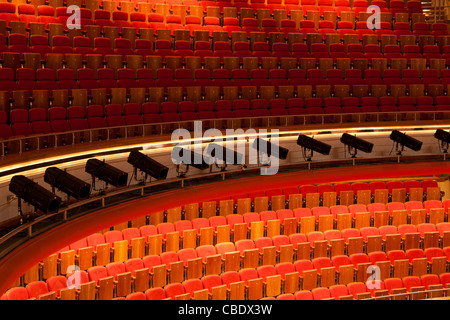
[410, 282]
[46, 79]
[192, 285]
[358, 258]
[16, 293]
[126, 79]
[320, 293]
[337, 291]
[319, 263]
[354, 288]
[211, 281]
[393, 283]
[174, 289]
[57, 119]
[132, 265]
[429, 279]
[36, 289]
[97, 273]
[19, 123]
[114, 269]
[123, 47]
[155, 294]
[303, 295]
[8, 12]
[40, 45]
[66, 79]
[121, 20]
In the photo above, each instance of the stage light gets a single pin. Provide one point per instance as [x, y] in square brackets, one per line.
[147, 165]
[266, 147]
[67, 183]
[106, 172]
[224, 156]
[354, 144]
[444, 138]
[403, 140]
[311, 145]
[185, 158]
[34, 194]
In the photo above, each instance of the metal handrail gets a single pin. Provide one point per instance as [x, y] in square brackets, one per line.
[427, 294]
[341, 118]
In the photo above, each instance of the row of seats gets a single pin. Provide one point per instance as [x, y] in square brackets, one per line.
[339, 6]
[241, 49]
[195, 288]
[280, 271]
[161, 16]
[278, 240]
[194, 23]
[48, 79]
[58, 119]
[21, 12]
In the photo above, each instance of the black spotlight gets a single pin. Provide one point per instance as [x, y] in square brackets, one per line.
[34, 194]
[67, 183]
[403, 140]
[354, 144]
[309, 145]
[147, 165]
[224, 155]
[266, 147]
[106, 172]
[188, 158]
[444, 138]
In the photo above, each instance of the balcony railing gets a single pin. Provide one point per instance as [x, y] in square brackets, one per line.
[56, 140]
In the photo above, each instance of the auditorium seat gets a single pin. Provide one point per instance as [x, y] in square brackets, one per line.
[355, 288]
[303, 295]
[36, 289]
[337, 291]
[392, 284]
[320, 293]
[16, 293]
[8, 12]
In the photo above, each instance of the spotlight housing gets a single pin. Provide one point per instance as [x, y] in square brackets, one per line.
[444, 138]
[354, 144]
[403, 140]
[67, 183]
[225, 155]
[147, 165]
[34, 194]
[193, 159]
[311, 145]
[278, 151]
[106, 172]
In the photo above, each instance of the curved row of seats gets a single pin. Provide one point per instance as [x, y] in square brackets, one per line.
[397, 6]
[222, 49]
[58, 119]
[131, 16]
[191, 286]
[278, 240]
[48, 79]
[16, 42]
